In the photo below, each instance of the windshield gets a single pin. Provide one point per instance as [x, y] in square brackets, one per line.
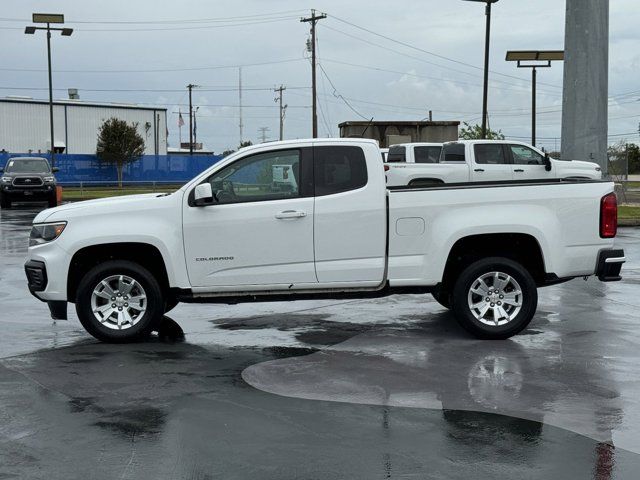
[27, 165]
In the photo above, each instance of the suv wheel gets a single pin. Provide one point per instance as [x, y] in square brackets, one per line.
[494, 298]
[119, 301]
[53, 200]
[4, 201]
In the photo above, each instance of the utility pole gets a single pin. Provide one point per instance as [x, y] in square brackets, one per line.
[263, 133]
[282, 109]
[191, 86]
[240, 102]
[313, 19]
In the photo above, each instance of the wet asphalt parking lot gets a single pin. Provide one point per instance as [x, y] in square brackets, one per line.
[387, 388]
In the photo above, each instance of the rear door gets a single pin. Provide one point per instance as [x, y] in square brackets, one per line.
[490, 163]
[350, 222]
[527, 163]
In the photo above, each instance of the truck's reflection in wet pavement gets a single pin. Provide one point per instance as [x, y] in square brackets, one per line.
[374, 389]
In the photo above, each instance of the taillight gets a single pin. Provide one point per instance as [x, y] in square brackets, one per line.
[608, 216]
[386, 168]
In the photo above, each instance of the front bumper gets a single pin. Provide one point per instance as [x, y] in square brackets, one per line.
[609, 265]
[37, 281]
[28, 193]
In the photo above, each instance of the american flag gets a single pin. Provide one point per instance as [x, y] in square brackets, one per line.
[180, 120]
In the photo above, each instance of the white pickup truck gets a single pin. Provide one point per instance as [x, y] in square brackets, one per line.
[233, 235]
[478, 161]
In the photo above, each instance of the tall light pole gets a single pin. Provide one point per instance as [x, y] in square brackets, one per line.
[535, 59]
[485, 93]
[49, 18]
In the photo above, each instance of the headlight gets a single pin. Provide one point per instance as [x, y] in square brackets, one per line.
[45, 232]
[6, 179]
[49, 179]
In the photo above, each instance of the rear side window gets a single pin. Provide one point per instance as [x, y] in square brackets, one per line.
[338, 169]
[427, 154]
[490, 154]
[397, 154]
[453, 152]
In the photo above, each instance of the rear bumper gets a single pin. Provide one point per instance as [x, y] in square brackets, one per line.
[609, 265]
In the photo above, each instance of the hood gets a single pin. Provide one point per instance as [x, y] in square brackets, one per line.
[578, 167]
[96, 207]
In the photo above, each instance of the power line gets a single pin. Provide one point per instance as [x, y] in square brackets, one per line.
[171, 21]
[443, 57]
[182, 69]
[337, 95]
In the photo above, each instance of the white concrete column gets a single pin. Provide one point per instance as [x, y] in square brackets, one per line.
[586, 81]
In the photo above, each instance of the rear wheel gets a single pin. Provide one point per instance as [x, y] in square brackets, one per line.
[494, 298]
[4, 201]
[119, 301]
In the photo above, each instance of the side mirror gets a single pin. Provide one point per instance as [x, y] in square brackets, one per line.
[547, 162]
[55, 170]
[203, 195]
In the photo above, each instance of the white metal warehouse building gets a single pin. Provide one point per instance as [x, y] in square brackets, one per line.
[24, 125]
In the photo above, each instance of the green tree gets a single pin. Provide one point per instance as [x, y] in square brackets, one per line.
[119, 144]
[474, 132]
[624, 158]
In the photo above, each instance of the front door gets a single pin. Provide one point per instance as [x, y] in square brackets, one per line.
[490, 163]
[259, 232]
[527, 163]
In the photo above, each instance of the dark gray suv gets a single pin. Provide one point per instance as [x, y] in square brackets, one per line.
[27, 179]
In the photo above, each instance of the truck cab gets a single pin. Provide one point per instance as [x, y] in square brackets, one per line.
[27, 179]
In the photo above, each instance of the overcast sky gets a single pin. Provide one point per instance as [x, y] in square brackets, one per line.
[112, 58]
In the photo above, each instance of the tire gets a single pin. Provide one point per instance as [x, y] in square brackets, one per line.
[53, 201]
[443, 297]
[137, 283]
[505, 316]
[4, 201]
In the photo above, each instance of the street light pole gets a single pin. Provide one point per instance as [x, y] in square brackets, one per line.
[485, 93]
[49, 18]
[53, 161]
[534, 59]
[533, 105]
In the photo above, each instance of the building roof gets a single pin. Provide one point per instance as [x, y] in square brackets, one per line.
[80, 103]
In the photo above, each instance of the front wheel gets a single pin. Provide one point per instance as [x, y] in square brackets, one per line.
[53, 201]
[4, 201]
[494, 298]
[119, 301]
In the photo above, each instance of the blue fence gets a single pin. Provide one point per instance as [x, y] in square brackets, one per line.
[149, 168]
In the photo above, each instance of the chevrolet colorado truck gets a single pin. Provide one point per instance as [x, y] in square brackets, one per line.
[27, 179]
[479, 161]
[234, 235]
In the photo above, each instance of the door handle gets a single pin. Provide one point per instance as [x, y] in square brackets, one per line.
[518, 170]
[478, 170]
[290, 214]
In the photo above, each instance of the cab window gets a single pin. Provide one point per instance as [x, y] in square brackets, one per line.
[397, 155]
[260, 177]
[338, 169]
[525, 156]
[490, 154]
[427, 154]
[453, 152]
